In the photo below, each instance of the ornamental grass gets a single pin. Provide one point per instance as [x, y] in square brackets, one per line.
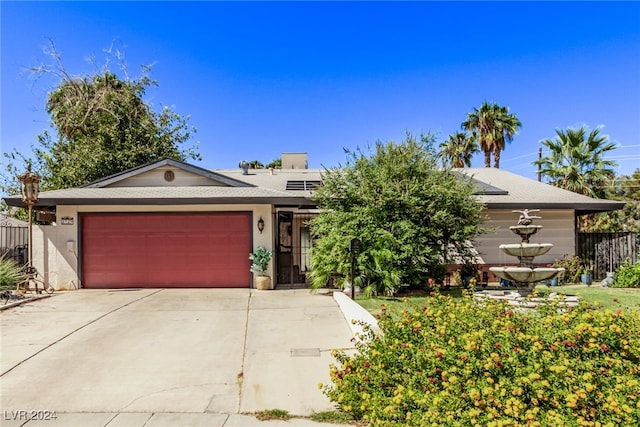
[456, 362]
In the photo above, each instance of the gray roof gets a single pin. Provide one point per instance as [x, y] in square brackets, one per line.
[173, 195]
[121, 176]
[276, 179]
[496, 189]
[528, 193]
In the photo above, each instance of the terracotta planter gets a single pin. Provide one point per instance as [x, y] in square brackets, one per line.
[262, 283]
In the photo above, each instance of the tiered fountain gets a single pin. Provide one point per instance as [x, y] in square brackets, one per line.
[525, 276]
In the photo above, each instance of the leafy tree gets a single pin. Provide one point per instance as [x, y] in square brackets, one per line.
[410, 216]
[576, 161]
[102, 127]
[625, 188]
[492, 126]
[457, 150]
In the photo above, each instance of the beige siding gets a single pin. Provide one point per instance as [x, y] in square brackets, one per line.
[156, 178]
[558, 229]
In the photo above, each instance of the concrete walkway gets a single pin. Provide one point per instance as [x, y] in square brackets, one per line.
[168, 357]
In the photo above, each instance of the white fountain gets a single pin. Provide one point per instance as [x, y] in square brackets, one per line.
[525, 276]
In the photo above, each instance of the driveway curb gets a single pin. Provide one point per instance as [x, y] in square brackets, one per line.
[354, 313]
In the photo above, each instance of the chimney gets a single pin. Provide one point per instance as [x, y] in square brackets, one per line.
[294, 161]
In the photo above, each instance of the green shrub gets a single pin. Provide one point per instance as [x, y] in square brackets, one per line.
[458, 363]
[10, 274]
[573, 267]
[627, 276]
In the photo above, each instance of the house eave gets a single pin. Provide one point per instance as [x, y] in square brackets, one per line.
[581, 208]
[153, 201]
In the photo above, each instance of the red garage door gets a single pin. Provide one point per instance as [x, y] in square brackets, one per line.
[167, 250]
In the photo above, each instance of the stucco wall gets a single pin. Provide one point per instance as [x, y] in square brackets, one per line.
[56, 247]
[156, 178]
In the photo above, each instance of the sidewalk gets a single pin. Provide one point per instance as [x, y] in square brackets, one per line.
[131, 419]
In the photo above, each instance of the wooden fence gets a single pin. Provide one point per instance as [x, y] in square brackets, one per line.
[607, 251]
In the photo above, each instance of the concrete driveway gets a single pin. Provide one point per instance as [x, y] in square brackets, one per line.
[170, 351]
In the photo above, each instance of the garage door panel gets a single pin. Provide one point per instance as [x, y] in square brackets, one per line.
[166, 250]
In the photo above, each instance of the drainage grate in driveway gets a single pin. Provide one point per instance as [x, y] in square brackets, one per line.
[305, 352]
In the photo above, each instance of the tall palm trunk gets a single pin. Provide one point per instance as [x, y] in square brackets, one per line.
[487, 158]
[496, 158]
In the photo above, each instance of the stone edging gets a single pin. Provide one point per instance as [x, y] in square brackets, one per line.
[22, 301]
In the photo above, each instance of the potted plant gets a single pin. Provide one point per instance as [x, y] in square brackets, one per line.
[467, 272]
[260, 258]
[586, 276]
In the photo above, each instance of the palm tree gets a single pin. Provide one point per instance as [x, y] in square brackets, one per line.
[457, 150]
[255, 164]
[493, 126]
[575, 161]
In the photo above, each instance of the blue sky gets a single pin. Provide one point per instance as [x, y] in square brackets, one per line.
[259, 79]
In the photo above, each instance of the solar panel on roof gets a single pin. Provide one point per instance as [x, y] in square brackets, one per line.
[482, 188]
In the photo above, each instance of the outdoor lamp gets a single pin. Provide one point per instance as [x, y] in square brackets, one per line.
[30, 186]
[261, 225]
[29, 183]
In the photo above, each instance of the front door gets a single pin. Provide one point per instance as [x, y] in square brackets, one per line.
[293, 248]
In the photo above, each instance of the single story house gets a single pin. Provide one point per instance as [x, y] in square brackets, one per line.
[173, 224]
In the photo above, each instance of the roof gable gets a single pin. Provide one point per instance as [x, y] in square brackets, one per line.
[167, 173]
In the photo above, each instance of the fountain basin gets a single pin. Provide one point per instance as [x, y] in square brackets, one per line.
[526, 249]
[526, 274]
[525, 229]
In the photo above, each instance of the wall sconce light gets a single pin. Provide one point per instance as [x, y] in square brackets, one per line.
[261, 225]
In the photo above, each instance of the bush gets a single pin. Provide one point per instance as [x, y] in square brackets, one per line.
[456, 362]
[573, 267]
[627, 276]
[10, 274]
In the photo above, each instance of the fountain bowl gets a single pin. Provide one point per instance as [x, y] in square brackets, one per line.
[526, 274]
[525, 229]
[526, 249]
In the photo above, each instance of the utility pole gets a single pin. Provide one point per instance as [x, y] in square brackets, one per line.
[539, 166]
[354, 249]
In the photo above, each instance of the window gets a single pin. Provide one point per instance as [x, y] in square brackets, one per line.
[305, 249]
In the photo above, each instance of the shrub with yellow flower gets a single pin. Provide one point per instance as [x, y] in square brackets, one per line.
[456, 362]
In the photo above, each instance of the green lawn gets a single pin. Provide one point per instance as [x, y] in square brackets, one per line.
[610, 298]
